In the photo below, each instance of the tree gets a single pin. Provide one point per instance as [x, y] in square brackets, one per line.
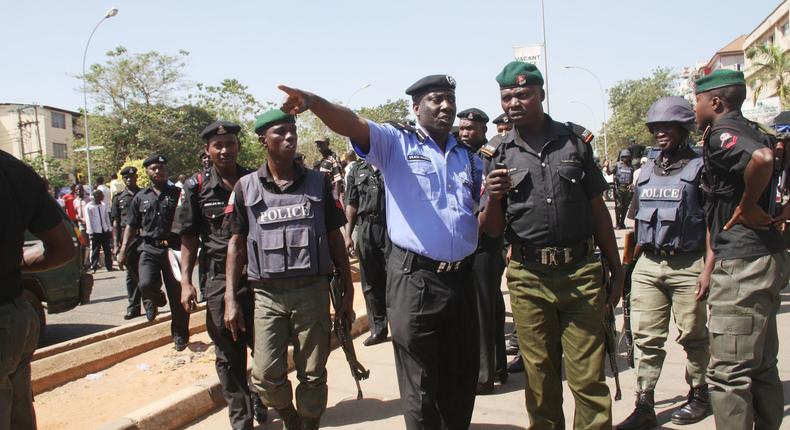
[148, 78]
[231, 101]
[396, 111]
[771, 65]
[50, 168]
[630, 100]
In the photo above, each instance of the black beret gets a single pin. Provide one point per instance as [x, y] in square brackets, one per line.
[473, 114]
[218, 128]
[128, 171]
[502, 119]
[431, 83]
[156, 158]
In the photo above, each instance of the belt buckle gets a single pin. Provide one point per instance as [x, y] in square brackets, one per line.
[448, 266]
[442, 267]
[551, 256]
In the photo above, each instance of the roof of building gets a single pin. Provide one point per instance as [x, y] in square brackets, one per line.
[734, 47]
[45, 107]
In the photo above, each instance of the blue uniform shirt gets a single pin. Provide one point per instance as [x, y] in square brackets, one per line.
[431, 195]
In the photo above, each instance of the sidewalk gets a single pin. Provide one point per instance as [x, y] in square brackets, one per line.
[504, 409]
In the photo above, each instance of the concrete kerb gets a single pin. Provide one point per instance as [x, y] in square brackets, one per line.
[198, 400]
[102, 335]
[52, 371]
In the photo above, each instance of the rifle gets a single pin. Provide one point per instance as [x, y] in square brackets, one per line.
[610, 332]
[341, 326]
[628, 267]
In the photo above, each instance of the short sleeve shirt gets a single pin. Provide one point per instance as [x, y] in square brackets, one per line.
[332, 168]
[729, 147]
[432, 195]
[236, 213]
[549, 204]
[31, 208]
[121, 204]
[201, 211]
[153, 214]
[365, 190]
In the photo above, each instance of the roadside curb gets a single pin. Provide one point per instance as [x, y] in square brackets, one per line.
[194, 402]
[110, 333]
[70, 364]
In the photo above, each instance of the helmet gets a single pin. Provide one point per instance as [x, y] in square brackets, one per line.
[625, 153]
[672, 109]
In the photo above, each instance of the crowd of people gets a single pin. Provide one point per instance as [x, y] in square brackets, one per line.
[436, 216]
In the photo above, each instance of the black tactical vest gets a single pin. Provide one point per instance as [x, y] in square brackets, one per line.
[670, 215]
[287, 236]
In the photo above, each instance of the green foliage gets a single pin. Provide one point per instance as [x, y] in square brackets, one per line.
[231, 101]
[771, 65]
[630, 100]
[393, 110]
[142, 177]
[51, 168]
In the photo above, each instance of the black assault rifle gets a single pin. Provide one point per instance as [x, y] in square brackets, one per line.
[341, 325]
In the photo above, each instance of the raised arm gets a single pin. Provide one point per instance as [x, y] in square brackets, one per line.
[339, 119]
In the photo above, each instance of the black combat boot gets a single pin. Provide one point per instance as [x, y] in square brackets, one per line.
[695, 409]
[309, 423]
[644, 415]
[291, 419]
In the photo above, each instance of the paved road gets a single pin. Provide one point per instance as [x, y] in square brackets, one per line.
[106, 310]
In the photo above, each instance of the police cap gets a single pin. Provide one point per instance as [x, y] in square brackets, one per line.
[270, 118]
[473, 114]
[129, 171]
[156, 158]
[218, 128]
[431, 83]
[502, 119]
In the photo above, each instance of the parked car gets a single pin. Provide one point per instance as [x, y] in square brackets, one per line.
[62, 289]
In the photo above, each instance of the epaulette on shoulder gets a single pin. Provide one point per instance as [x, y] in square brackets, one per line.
[582, 133]
[490, 148]
[407, 128]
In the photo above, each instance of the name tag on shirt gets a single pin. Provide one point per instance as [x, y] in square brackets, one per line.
[417, 157]
[285, 213]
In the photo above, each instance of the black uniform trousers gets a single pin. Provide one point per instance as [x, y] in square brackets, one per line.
[372, 249]
[622, 199]
[231, 356]
[101, 241]
[153, 267]
[133, 293]
[488, 266]
[434, 335]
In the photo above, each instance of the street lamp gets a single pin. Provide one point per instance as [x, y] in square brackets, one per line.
[348, 102]
[603, 105]
[110, 13]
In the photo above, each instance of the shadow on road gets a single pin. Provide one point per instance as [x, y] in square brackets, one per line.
[56, 333]
[107, 299]
[354, 411]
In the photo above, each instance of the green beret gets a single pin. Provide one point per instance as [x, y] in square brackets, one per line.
[219, 128]
[473, 114]
[268, 119]
[519, 74]
[718, 79]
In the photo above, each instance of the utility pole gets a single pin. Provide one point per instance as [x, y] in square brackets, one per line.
[545, 54]
[21, 135]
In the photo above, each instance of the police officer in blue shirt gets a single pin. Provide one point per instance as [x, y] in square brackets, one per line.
[433, 186]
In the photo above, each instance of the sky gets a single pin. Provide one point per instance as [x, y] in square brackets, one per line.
[335, 48]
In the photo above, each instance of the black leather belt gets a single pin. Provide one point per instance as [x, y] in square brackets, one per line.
[424, 263]
[372, 218]
[554, 256]
[667, 252]
[159, 243]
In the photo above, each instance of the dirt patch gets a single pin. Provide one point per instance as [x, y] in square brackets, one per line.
[107, 395]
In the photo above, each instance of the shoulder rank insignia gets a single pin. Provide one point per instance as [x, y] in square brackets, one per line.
[488, 150]
[582, 133]
[408, 128]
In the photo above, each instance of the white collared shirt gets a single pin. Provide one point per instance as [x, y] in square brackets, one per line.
[97, 218]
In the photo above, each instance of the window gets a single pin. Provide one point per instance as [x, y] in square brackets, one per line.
[60, 150]
[58, 120]
[784, 28]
